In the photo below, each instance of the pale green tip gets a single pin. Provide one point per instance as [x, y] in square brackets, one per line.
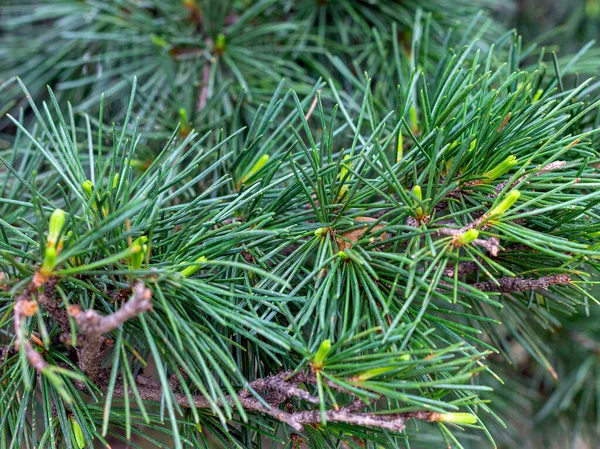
[183, 115]
[79, 438]
[418, 192]
[321, 232]
[262, 161]
[400, 147]
[49, 260]
[159, 41]
[382, 370]
[458, 418]
[188, 271]
[502, 168]
[344, 168]
[139, 252]
[505, 204]
[374, 373]
[322, 352]
[473, 145]
[88, 188]
[466, 237]
[413, 119]
[342, 255]
[141, 240]
[220, 43]
[136, 163]
[57, 221]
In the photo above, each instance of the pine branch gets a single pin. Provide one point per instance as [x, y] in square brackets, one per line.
[25, 307]
[463, 268]
[519, 284]
[91, 324]
[94, 325]
[556, 165]
[282, 386]
[261, 242]
[491, 245]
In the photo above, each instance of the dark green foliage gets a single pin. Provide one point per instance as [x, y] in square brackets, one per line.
[409, 217]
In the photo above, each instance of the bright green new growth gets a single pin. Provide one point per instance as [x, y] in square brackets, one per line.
[382, 370]
[139, 249]
[466, 237]
[458, 418]
[79, 437]
[188, 271]
[54, 242]
[343, 255]
[88, 188]
[55, 227]
[321, 354]
[502, 168]
[262, 161]
[49, 261]
[419, 194]
[504, 205]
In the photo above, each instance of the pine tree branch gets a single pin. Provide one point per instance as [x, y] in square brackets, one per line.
[25, 307]
[275, 390]
[463, 268]
[492, 245]
[556, 165]
[203, 99]
[93, 326]
[519, 284]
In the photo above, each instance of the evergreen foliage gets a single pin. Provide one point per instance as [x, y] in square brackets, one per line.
[274, 224]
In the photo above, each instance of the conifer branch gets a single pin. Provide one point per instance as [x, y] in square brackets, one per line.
[556, 165]
[519, 284]
[93, 326]
[25, 307]
[278, 388]
[261, 219]
[491, 245]
[463, 268]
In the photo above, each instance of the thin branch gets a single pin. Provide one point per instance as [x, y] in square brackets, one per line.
[556, 165]
[395, 422]
[274, 389]
[463, 268]
[492, 245]
[457, 192]
[519, 284]
[26, 306]
[93, 326]
[204, 91]
[281, 385]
